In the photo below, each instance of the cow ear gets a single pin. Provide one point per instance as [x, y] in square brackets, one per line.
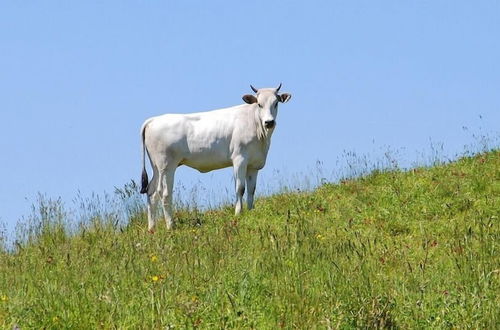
[285, 97]
[249, 98]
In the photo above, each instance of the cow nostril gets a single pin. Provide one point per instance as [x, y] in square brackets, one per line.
[269, 123]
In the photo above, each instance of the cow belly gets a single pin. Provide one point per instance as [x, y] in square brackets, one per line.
[257, 164]
[206, 164]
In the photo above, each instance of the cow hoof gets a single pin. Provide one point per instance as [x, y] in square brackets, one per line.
[151, 231]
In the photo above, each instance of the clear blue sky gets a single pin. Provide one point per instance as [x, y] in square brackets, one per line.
[78, 78]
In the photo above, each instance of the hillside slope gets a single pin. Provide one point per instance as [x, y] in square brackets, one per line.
[415, 249]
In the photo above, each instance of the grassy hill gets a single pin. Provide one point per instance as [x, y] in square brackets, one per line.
[394, 249]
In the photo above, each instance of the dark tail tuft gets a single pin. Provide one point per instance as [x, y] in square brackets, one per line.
[144, 180]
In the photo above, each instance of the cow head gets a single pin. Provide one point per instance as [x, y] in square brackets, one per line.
[266, 101]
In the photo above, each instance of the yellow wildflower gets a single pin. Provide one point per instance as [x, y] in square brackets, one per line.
[55, 319]
[320, 237]
[155, 278]
[154, 258]
[4, 298]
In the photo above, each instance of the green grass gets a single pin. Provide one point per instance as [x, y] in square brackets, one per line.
[393, 249]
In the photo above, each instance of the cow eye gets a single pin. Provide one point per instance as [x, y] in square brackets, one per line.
[260, 105]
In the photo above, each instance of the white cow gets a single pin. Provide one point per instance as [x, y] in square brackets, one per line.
[238, 136]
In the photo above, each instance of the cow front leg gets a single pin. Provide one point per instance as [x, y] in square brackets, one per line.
[251, 183]
[167, 193]
[240, 170]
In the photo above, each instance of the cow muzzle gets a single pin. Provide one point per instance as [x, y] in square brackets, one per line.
[269, 124]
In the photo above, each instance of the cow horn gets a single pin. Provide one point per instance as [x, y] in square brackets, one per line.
[253, 88]
[278, 89]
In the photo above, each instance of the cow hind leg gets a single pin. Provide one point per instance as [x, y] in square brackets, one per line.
[152, 206]
[153, 195]
[167, 192]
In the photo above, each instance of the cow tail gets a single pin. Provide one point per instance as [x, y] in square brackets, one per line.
[144, 177]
